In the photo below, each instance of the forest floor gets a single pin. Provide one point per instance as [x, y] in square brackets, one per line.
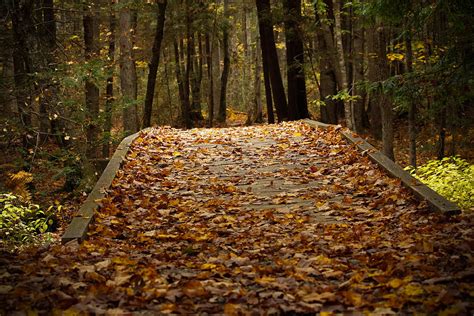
[252, 220]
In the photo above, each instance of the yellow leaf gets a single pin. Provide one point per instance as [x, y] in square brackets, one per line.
[208, 266]
[322, 259]
[167, 236]
[395, 283]
[413, 290]
[203, 237]
[297, 134]
[230, 189]
[174, 202]
[176, 154]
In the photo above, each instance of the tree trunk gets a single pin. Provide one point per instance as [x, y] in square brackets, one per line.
[358, 94]
[297, 102]
[375, 118]
[22, 64]
[109, 88]
[268, 89]
[328, 74]
[216, 69]
[328, 82]
[128, 74]
[411, 105]
[48, 88]
[153, 65]
[348, 112]
[440, 148]
[91, 49]
[195, 80]
[387, 127]
[384, 102]
[221, 114]
[184, 98]
[168, 89]
[245, 86]
[270, 59]
[210, 77]
[257, 116]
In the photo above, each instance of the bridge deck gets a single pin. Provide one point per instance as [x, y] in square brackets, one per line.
[279, 218]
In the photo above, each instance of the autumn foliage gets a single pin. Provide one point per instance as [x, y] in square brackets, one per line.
[270, 219]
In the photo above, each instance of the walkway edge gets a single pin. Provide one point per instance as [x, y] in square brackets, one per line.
[77, 229]
[423, 192]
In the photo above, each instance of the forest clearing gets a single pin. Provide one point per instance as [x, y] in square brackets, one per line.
[236, 157]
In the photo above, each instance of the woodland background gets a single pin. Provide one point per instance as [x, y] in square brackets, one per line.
[77, 76]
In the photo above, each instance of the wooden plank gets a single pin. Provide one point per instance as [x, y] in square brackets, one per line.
[78, 227]
[317, 124]
[423, 192]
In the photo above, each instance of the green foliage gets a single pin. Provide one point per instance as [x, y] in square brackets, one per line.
[452, 177]
[22, 222]
[343, 95]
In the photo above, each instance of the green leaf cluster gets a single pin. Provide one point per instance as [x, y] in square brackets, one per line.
[452, 177]
[22, 222]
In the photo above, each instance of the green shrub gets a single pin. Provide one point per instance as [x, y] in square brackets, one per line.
[451, 177]
[22, 222]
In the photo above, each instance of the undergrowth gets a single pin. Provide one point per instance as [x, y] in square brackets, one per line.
[451, 177]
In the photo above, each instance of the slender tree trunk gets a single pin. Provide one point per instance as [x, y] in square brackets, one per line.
[189, 120]
[183, 96]
[268, 89]
[221, 114]
[245, 86]
[440, 150]
[109, 88]
[257, 115]
[348, 112]
[196, 79]
[210, 77]
[168, 89]
[387, 127]
[411, 105]
[22, 64]
[358, 104]
[153, 65]
[128, 74]
[328, 82]
[47, 86]
[91, 47]
[216, 68]
[373, 76]
[200, 66]
[270, 58]
[385, 103]
[297, 102]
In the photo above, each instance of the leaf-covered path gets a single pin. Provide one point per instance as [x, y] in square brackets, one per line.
[261, 220]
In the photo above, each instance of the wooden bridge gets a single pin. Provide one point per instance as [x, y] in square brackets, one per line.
[275, 219]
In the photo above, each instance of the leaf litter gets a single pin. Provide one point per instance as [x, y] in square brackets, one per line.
[273, 219]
